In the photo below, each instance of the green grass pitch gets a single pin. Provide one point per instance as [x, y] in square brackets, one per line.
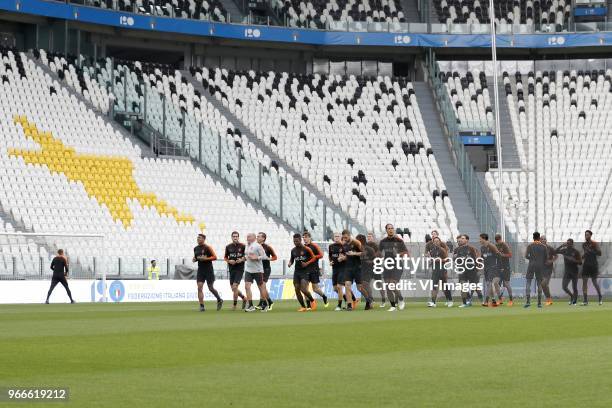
[171, 355]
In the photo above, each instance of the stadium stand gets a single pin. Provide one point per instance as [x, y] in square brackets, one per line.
[468, 90]
[77, 79]
[188, 108]
[368, 132]
[562, 119]
[194, 9]
[294, 113]
[470, 97]
[522, 16]
[531, 12]
[325, 14]
[63, 168]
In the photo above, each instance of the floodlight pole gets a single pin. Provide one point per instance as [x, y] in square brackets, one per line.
[502, 227]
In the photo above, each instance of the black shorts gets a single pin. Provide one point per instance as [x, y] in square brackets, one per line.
[236, 276]
[257, 277]
[504, 274]
[547, 273]
[366, 276]
[469, 276]
[491, 273]
[352, 275]
[392, 275]
[337, 277]
[590, 271]
[267, 273]
[59, 279]
[438, 275]
[376, 277]
[206, 276]
[299, 276]
[570, 274]
[475, 277]
[314, 276]
[534, 272]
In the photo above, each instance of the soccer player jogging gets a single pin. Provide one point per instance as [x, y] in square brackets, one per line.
[571, 260]
[367, 266]
[429, 241]
[590, 267]
[371, 241]
[438, 255]
[271, 257]
[537, 254]
[390, 247]
[314, 274]
[551, 257]
[255, 254]
[505, 254]
[465, 257]
[59, 266]
[352, 269]
[234, 256]
[204, 255]
[337, 260]
[490, 259]
[302, 256]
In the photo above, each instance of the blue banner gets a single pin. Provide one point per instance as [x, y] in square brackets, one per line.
[119, 19]
[478, 140]
[590, 11]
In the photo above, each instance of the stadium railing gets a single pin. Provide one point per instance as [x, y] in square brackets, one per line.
[525, 66]
[27, 256]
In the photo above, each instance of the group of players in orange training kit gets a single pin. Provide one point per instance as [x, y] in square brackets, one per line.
[352, 261]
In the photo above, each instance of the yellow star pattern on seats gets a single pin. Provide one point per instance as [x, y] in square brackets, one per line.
[109, 180]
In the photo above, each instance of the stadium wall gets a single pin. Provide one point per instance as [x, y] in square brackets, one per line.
[122, 291]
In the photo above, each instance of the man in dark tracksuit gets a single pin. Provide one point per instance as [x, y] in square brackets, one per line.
[465, 256]
[59, 266]
[314, 275]
[390, 247]
[367, 266]
[590, 266]
[548, 270]
[537, 254]
[352, 267]
[337, 260]
[505, 254]
[491, 270]
[235, 259]
[371, 242]
[571, 259]
[302, 256]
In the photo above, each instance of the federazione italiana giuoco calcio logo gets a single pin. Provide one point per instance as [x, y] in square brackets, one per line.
[116, 291]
